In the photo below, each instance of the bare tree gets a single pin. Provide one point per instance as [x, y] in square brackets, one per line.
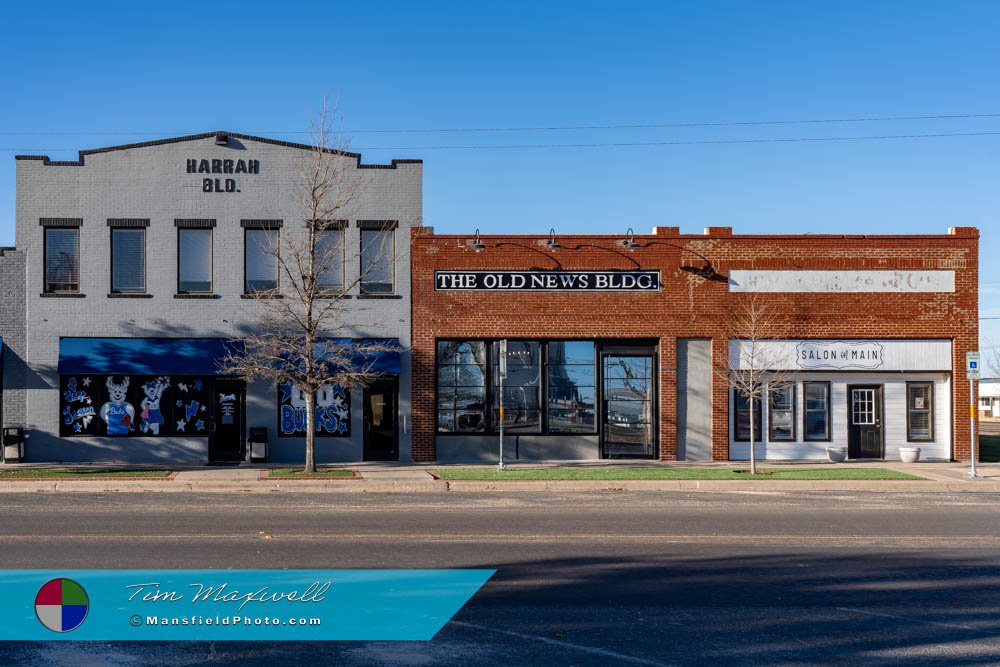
[991, 358]
[293, 322]
[756, 373]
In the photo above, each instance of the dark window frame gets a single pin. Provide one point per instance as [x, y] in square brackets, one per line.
[805, 412]
[390, 229]
[276, 230]
[770, 411]
[758, 429]
[145, 261]
[929, 410]
[211, 260]
[490, 385]
[45, 260]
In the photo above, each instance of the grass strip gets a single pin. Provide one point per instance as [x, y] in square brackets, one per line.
[488, 474]
[297, 473]
[81, 473]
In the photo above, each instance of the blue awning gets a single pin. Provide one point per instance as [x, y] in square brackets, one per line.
[143, 356]
[185, 356]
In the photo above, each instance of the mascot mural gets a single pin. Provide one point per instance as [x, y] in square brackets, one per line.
[151, 415]
[117, 413]
[333, 415]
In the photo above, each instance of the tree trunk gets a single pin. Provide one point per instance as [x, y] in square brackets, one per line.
[310, 398]
[753, 449]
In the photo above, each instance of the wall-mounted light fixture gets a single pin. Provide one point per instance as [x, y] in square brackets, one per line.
[552, 244]
[221, 140]
[476, 244]
[629, 242]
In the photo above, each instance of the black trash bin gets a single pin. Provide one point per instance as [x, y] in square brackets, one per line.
[13, 444]
[257, 444]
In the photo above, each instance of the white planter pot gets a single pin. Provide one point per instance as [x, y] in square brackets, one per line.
[836, 454]
[909, 454]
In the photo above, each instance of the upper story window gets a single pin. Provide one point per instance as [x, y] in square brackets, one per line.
[261, 262]
[194, 261]
[378, 256]
[62, 259]
[128, 260]
[330, 257]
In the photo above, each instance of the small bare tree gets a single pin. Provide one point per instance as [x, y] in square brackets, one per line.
[757, 371]
[293, 322]
[991, 358]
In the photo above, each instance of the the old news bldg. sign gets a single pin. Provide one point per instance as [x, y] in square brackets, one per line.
[548, 281]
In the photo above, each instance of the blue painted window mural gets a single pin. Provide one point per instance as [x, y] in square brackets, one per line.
[333, 412]
[133, 405]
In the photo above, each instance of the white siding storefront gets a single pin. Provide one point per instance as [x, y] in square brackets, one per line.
[891, 365]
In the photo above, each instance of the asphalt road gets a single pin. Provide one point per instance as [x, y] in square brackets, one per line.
[583, 579]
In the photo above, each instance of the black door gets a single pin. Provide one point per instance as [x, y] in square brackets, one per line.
[864, 421]
[225, 440]
[381, 408]
[627, 395]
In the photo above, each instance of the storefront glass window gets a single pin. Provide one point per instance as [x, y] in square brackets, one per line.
[817, 410]
[742, 417]
[521, 387]
[571, 382]
[919, 411]
[781, 415]
[461, 386]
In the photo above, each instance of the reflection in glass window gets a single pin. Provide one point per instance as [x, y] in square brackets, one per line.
[461, 386]
[781, 414]
[572, 387]
[62, 259]
[919, 411]
[261, 264]
[521, 387]
[817, 410]
[128, 260]
[742, 417]
[330, 257]
[194, 261]
[378, 254]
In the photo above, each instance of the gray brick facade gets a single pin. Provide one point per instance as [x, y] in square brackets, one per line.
[152, 182]
[12, 332]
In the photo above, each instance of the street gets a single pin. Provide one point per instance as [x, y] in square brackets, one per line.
[642, 578]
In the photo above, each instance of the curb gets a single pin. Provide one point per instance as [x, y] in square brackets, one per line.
[469, 486]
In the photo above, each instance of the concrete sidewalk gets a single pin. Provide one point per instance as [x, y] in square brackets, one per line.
[408, 478]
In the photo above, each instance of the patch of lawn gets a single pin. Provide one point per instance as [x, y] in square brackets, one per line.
[82, 473]
[487, 474]
[296, 473]
[989, 448]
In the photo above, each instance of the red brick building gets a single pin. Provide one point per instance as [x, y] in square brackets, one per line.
[618, 346]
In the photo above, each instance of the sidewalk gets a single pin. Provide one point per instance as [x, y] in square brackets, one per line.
[413, 478]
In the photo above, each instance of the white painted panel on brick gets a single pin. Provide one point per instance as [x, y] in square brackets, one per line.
[845, 355]
[741, 280]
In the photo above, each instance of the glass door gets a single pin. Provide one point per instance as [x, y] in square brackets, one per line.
[628, 417]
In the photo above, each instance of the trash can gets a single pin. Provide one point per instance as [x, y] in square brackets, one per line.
[13, 444]
[257, 444]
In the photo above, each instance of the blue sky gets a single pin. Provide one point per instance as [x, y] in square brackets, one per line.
[122, 72]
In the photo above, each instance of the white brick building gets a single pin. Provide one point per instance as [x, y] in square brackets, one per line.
[136, 263]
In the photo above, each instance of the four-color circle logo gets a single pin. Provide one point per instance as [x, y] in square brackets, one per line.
[61, 605]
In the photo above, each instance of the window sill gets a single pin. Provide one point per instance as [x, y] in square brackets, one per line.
[184, 295]
[262, 296]
[129, 295]
[62, 295]
[379, 296]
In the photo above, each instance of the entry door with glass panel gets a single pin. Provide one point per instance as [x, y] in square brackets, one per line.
[864, 422]
[628, 405]
[226, 436]
[381, 403]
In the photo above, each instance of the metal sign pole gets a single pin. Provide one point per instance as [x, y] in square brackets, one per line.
[972, 372]
[503, 374]
[972, 428]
